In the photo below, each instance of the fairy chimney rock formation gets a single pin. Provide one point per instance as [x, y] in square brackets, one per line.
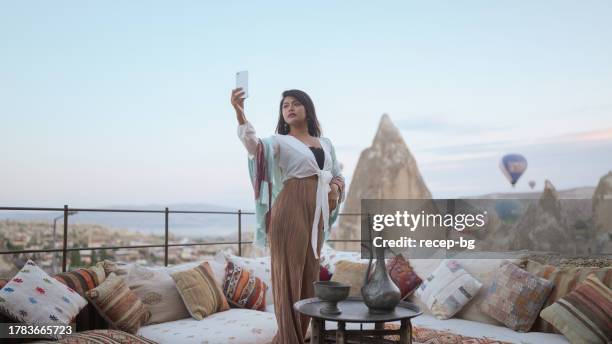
[602, 207]
[542, 226]
[385, 170]
[549, 200]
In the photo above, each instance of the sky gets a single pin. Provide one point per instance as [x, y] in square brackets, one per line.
[128, 102]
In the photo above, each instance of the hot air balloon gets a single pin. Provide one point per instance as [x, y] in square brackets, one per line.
[532, 184]
[513, 166]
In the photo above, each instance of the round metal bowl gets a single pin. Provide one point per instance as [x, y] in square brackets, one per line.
[331, 292]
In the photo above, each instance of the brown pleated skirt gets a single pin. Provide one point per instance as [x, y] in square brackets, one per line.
[294, 267]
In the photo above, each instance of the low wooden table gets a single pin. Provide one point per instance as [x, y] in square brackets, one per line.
[354, 310]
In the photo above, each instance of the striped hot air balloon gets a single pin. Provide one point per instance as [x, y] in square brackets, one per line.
[513, 166]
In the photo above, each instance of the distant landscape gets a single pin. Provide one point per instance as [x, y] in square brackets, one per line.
[195, 226]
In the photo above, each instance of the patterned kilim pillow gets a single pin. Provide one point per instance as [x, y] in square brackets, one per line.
[243, 289]
[585, 314]
[565, 280]
[448, 289]
[515, 297]
[201, 295]
[120, 306]
[82, 280]
[35, 298]
[403, 275]
[260, 267]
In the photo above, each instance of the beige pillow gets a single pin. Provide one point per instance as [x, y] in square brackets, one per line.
[158, 291]
[200, 294]
[99, 271]
[109, 266]
[119, 306]
[350, 273]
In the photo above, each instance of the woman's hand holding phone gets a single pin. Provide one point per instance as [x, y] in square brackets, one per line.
[237, 101]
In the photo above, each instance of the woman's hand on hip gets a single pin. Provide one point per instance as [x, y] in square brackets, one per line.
[333, 196]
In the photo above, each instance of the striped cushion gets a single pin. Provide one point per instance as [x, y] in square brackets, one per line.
[103, 337]
[565, 280]
[82, 280]
[199, 292]
[585, 314]
[243, 289]
[120, 306]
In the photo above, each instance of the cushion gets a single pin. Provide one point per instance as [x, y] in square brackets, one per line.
[403, 275]
[158, 291]
[565, 280]
[585, 314]
[329, 257]
[243, 289]
[515, 297]
[200, 294]
[103, 337]
[324, 274]
[260, 267]
[120, 306]
[234, 326]
[109, 266]
[35, 298]
[484, 271]
[217, 265]
[448, 289]
[350, 273]
[481, 269]
[81, 281]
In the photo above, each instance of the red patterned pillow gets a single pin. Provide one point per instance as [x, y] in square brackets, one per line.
[403, 275]
[242, 289]
[324, 274]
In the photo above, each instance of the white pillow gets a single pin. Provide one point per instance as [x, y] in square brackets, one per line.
[448, 289]
[260, 267]
[35, 298]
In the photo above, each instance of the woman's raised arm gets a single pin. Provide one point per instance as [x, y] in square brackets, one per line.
[246, 132]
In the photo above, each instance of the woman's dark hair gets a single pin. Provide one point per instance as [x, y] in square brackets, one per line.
[311, 115]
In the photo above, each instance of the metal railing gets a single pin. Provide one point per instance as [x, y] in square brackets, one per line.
[68, 211]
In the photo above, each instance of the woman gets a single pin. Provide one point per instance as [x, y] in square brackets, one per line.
[298, 186]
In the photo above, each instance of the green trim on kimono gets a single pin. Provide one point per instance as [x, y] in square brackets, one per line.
[274, 175]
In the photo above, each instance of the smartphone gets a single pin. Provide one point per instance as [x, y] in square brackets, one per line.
[242, 80]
